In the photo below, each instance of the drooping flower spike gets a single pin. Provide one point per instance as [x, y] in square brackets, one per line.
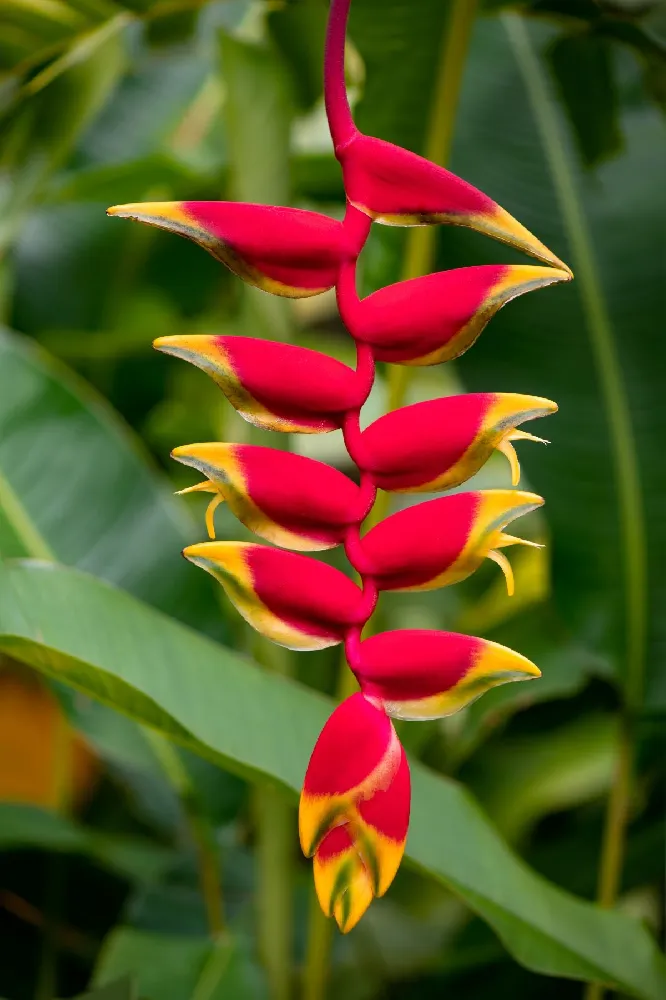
[354, 808]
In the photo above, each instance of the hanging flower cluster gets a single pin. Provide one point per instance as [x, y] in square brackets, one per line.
[354, 809]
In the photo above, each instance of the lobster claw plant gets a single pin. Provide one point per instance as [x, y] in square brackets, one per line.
[354, 809]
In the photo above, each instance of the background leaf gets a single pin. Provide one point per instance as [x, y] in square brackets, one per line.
[122, 989]
[127, 528]
[144, 664]
[582, 66]
[171, 967]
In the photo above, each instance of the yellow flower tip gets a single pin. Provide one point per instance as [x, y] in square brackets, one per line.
[519, 435]
[504, 227]
[164, 344]
[534, 276]
[500, 506]
[502, 664]
[507, 449]
[165, 214]
[121, 211]
[501, 560]
[210, 514]
[205, 487]
[348, 912]
[208, 454]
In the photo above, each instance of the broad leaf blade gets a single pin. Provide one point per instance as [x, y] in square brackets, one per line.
[28, 828]
[121, 989]
[107, 644]
[173, 966]
[583, 69]
[73, 483]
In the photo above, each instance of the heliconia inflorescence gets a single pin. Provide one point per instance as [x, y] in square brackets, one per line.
[354, 809]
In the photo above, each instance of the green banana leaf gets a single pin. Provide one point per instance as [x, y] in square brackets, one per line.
[121, 989]
[104, 642]
[29, 828]
[110, 514]
[173, 966]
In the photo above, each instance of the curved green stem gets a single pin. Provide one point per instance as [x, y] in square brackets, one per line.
[23, 528]
[627, 475]
[275, 824]
[422, 240]
[318, 954]
[200, 828]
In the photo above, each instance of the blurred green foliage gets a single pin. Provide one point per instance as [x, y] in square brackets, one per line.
[560, 120]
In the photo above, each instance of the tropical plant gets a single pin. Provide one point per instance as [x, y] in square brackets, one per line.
[148, 836]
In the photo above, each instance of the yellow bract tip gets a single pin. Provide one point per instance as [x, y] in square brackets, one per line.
[156, 213]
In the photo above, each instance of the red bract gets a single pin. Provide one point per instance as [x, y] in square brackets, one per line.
[443, 541]
[292, 501]
[292, 599]
[272, 385]
[354, 808]
[285, 251]
[439, 444]
[420, 674]
[438, 317]
[395, 186]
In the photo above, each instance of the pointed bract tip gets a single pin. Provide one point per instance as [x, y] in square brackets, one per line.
[188, 346]
[206, 451]
[157, 213]
[502, 226]
[196, 551]
[504, 664]
[518, 279]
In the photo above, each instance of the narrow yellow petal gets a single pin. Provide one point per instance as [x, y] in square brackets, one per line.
[505, 566]
[509, 452]
[205, 487]
[519, 435]
[210, 514]
[503, 540]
